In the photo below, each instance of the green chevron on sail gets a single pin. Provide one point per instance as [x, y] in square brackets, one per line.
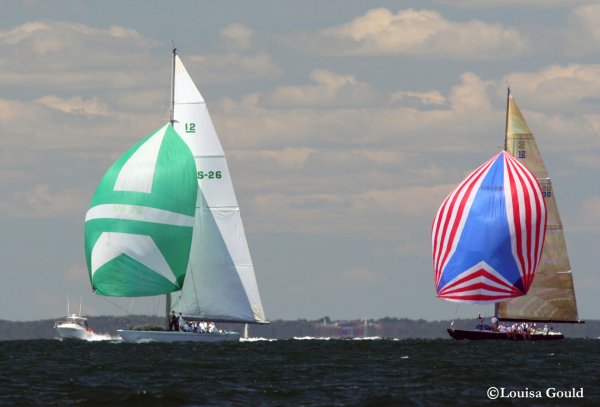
[138, 228]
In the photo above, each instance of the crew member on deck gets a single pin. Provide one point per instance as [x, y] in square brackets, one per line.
[172, 321]
[494, 324]
[181, 322]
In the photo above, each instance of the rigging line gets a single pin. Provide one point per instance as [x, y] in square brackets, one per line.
[116, 305]
[195, 296]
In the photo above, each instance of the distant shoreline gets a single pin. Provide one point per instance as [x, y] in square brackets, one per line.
[401, 328]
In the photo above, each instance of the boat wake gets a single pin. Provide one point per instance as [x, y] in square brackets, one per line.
[102, 337]
[91, 337]
[258, 339]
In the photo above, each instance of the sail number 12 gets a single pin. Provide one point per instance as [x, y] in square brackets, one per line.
[209, 174]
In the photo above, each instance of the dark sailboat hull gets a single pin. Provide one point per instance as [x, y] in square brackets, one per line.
[479, 335]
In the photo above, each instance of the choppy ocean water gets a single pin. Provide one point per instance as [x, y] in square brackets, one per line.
[300, 372]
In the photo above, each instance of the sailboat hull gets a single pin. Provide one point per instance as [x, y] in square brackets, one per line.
[176, 336]
[502, 336]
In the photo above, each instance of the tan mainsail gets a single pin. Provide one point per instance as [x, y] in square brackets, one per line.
[551, 297]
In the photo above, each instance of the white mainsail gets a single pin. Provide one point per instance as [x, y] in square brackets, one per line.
[220, 283]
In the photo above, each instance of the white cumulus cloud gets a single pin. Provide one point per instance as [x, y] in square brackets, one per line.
[329, 88]
[421, 33]
[237, 35]
[559, 88]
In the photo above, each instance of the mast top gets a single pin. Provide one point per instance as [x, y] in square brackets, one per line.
[506, 123]
[171, 118]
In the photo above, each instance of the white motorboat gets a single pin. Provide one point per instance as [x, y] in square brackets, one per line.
[74, 327]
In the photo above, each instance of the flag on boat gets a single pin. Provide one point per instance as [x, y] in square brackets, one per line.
[487, 236]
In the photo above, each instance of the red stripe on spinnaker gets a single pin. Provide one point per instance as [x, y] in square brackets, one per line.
[533, 201]
[516, 221]
[532, 198]
[478, 297]
[540, 220]
[477, 274]
[448, 242]
[479, 285]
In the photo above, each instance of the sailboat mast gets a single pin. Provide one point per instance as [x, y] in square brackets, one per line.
[171, 118]
[496, 305]
[168, 307]
[506, 124]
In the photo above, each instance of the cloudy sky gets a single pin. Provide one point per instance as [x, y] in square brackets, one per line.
[345, 124]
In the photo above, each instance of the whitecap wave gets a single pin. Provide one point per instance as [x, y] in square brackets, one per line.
[368, 338]
[257, 340]
[311, 338]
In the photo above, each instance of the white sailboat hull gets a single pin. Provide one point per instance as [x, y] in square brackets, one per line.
[176, 336]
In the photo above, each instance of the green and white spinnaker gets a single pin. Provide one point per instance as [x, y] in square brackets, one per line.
[139, 226]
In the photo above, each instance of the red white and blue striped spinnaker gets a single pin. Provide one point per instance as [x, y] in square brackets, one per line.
[487, 236]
